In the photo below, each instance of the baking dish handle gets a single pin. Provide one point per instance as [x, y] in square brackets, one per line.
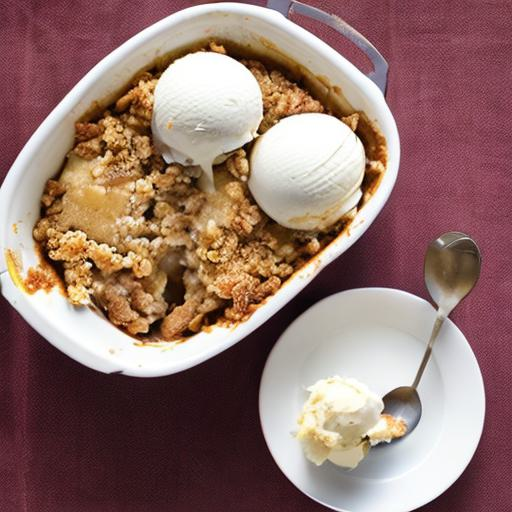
[379, 75]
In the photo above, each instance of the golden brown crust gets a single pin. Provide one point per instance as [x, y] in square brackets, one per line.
[38, 278]
[351, 121]
[281, 97]
[238, 165]
[137, 104]
[395, 428]
[52, 191]
[217, 48]
[178, 320]
[86, 131]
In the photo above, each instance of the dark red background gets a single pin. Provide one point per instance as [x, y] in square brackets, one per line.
[75, 440]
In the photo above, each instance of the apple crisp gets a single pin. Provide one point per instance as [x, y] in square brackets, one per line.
[139, 239]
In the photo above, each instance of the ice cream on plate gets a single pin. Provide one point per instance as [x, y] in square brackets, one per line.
[206, 105]
[341, 419]
[307, 170]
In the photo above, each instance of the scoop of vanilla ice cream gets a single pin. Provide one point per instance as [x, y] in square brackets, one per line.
[206, 104]
[335, 420]
[306, 171]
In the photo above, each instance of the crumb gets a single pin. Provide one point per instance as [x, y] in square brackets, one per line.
[281, 97]
[88, 150]
[39, 278]
[351, 121]
[238, 165]
[86, 131]
[395, 428]
[217, 48]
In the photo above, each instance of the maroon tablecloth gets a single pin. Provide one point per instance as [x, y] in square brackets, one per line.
[73, 440]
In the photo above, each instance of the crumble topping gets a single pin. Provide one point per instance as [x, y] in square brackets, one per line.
[281, 98]
[138, 238]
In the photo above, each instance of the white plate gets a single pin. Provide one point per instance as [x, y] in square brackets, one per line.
[378, 336]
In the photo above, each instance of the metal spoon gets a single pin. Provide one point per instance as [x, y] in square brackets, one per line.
[452, 267]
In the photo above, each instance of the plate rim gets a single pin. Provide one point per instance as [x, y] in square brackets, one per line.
[478, 376]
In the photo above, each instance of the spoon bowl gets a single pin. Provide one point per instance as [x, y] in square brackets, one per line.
[404, 402]
[452, 268]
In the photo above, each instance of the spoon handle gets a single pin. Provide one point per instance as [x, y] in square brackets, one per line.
[440, 318]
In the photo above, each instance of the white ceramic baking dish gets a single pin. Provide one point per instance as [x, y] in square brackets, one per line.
[83, 334]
